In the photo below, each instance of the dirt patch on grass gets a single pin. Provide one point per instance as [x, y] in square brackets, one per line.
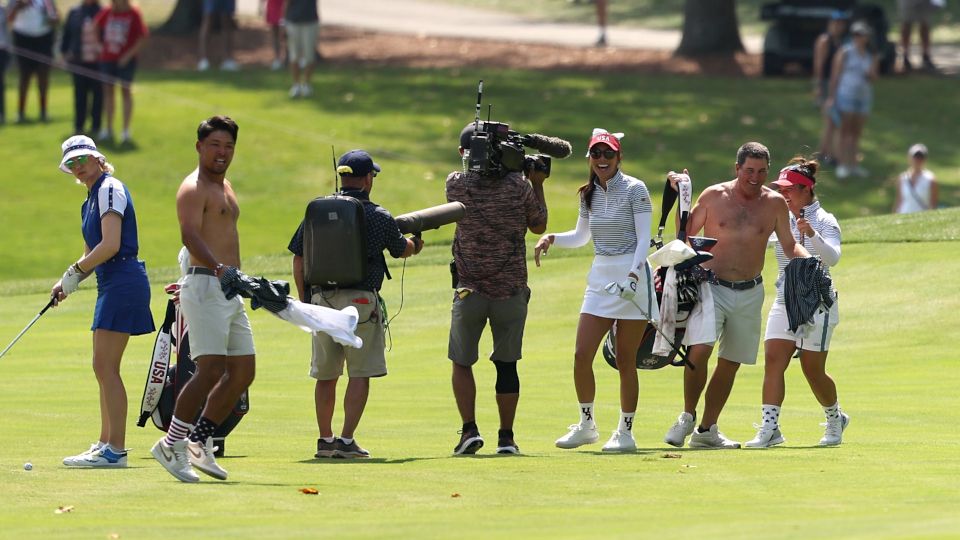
[347, 46]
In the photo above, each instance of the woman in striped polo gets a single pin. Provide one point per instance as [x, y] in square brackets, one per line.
[821, 236]
[615, 211]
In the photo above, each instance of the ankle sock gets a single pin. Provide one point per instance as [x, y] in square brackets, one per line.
[328, 439]
[177, 431]
[346, 440]
[586, 414]
[203, 431]
[771, 416]
[626, 421]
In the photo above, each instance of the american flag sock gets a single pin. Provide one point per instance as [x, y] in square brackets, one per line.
[205, 428]
[771, 416]
[177, 431]
[833, 411]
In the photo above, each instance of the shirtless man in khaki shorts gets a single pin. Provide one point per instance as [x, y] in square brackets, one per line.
[221, 341]
[741, 214]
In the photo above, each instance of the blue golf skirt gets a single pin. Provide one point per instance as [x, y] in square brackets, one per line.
[123, 297]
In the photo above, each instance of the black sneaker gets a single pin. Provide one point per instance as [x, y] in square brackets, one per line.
[326, 449]
[907, 66]
[928, 63]
[470, 442]
[352, 450]
[507, 446]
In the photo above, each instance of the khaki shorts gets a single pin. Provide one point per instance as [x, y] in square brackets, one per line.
[738, 318]
[302, 42]
[912, 11]
[329, 356]
[778, 327]
[217, 326]
[469, 317]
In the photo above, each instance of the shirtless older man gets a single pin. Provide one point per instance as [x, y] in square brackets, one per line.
[741, 214]
[221, 341]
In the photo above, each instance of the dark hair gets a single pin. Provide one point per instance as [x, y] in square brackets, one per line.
[806, 167]
[217, 123]
[586, 191]
[752, 150]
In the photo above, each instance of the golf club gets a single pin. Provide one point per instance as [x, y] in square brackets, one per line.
[615, 288]
[24, 331]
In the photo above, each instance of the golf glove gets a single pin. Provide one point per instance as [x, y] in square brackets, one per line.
[626, 290]
[70, 281]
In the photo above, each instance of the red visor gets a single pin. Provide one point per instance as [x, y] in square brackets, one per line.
[606, 139]
[792, 178]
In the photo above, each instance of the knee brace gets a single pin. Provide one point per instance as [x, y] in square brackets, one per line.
[507, 380]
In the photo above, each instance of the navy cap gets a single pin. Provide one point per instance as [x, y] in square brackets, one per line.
[356, 163]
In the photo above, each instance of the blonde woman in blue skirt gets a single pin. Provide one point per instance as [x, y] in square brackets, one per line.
[109, 226]
[615, 211]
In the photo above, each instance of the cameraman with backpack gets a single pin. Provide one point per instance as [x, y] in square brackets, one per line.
[490, 282]
[357, 171]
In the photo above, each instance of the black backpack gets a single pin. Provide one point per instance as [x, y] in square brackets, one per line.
[335, 242]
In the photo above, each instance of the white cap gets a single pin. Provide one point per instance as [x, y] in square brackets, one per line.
[78, 145]
[918, 148]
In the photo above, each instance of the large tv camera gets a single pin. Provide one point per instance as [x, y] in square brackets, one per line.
[495, 149]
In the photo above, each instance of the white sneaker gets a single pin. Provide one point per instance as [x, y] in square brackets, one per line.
[201, 457]
[105, 134]
[229, 65]
[306, 90]
[767, 436]
[834, 432]
[106, 456]
[203, 65]
[174, 460]
[295, 90]
[621, 441]
[680, 430]
[579, 435]
[71, 461]
[125, 137]
[276, 64]
[843, 171]
[861, 172]
[711, 438]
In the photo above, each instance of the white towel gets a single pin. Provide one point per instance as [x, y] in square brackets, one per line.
[338, 324]
[701, 324]
[668, 314]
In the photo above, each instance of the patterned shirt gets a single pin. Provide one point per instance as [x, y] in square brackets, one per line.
[489, 245]
[611, 214]
[382, 233]
[822, 222]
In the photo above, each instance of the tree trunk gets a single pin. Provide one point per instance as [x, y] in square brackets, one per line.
[710, 27]
[185, 18]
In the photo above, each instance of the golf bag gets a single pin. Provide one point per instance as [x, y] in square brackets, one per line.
[645, 357]
[165, 380]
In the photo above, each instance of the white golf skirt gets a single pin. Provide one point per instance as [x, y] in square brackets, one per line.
[605, 270]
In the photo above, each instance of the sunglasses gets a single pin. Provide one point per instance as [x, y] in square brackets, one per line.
[609, 154]
[82, 160]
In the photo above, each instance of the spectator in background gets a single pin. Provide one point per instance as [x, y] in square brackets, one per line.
[4, 60]
[33, 22]
[917, 188]
[223, 10]
[824, 50]
[303, 31]
[915, 11]
[851, 92]
[81, 48]
[272, 10]
[124, 34]
[602, 21]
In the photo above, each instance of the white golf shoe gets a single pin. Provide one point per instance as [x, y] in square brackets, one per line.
[106, 456]
[712, 438]
[834, 432]
[201, 457]
[174, 460]
[680, 430]
[579, 435]
[621, 441]
[72, 460]
[767, 436]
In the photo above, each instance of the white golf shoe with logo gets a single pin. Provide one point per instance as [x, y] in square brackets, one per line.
[73, 460]
[834, 432]
[712, 438]
[579, 435]
[767, 436]
[680, 430]
[174, 460]
[201, 457]
[621, 441]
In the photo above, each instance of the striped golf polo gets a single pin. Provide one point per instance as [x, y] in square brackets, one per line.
[611, 214]
[822, 222]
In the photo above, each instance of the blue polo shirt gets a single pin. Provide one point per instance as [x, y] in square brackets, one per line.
[110, 195]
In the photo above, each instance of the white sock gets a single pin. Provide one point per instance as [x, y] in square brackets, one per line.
[328, 439]
[771, 416]
[346, 440]
[626, 421]
[586, 415]
[177, 431]
[114, 449]
[833, 411]
[100, 444]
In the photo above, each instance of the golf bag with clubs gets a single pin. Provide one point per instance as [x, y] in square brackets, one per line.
[166, 379]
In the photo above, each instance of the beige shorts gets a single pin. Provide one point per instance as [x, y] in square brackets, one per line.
[217, 326]
[738, 318]
[329, 356]
[914, 11]
[302, 42]
[778, 327]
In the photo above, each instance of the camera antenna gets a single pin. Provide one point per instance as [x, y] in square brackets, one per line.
[489, 110]
[476, 121]
[336, 177]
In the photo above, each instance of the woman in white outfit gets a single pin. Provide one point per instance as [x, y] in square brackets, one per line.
[917, 189]
[821, 237]
[615, 210]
